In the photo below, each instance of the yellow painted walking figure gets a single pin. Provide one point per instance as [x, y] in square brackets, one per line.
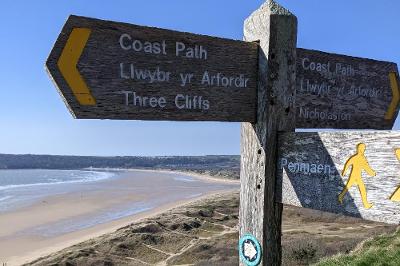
[359, 164]
[396, 195]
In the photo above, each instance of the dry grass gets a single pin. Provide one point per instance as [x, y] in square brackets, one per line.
[205, 233]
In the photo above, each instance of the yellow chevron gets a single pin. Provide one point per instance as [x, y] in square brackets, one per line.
[396, 96]
[67, 64]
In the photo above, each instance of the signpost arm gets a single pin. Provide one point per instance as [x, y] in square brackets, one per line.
[276, 30]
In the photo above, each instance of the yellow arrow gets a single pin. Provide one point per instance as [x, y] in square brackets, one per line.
[396, 96]
[67, 64]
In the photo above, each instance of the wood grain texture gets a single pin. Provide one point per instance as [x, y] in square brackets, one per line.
[304, 185]
[342, 92]
[100, 67]
[276, 30]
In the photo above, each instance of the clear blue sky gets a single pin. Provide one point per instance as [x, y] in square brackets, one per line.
[33, 118]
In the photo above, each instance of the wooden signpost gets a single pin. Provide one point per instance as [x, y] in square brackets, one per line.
[111, 70]
[338, 91]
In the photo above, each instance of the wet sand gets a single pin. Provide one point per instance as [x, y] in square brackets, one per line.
[98, 208]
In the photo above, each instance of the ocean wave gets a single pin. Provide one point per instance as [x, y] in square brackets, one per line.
[5, 198]
[87, 176]
[184, 179]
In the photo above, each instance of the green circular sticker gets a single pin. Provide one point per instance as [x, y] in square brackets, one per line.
[249, 250]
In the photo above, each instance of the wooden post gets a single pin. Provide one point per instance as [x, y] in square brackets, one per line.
[260, 216]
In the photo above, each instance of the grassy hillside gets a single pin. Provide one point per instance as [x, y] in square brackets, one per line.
[206, 233]
[382, 250]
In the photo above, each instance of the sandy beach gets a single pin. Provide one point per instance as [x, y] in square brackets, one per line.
[57, 222]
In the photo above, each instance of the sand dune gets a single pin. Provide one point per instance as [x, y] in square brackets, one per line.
[205, 233]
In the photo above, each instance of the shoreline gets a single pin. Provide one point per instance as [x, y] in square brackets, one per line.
[192, 174]
[54, 244]
[204, 177]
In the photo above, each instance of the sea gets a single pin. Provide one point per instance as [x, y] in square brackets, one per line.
[19, 188]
